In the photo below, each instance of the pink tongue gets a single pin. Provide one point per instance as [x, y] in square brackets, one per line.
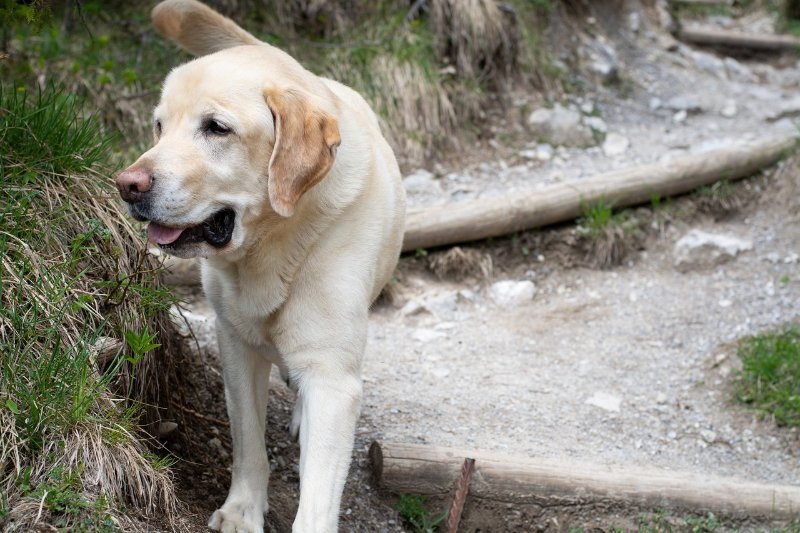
[161, 234]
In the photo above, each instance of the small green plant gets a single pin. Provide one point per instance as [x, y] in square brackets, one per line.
[412, 510]
[598, 216]
[770, 376]
[140, 344]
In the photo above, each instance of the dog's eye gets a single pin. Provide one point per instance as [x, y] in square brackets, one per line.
[215, 127]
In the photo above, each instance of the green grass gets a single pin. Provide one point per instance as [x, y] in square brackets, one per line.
[598, 216]
[414, 513]
[66, 250]
[770, 376]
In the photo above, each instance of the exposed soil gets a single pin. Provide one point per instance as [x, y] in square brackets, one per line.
[466, 373]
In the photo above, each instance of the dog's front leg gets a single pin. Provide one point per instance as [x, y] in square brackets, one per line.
[331, 402]
[246, 375]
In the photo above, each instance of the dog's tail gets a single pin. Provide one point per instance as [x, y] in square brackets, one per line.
[197, 28]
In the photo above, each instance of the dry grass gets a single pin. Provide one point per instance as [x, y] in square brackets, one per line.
[476, 37]
[459, 264]
[73, 269]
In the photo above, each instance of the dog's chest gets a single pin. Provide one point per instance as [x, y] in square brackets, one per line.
[247, 305]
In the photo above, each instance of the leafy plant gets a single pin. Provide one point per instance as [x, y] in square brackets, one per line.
[412, 510]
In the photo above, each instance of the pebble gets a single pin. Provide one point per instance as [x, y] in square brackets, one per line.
[615, 144]
[509, 293]
[605, 401]
[729, 110]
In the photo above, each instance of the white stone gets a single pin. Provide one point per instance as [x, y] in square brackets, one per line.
[634, 21]
[615, 144]
[699, 249]
[729, 110]
[559, 126]
[605, 401]
[425, 335]
[596, 123]
[679, 117]
[422, 183]
[687, 103]
[544, 152]
[708, 435]
[509, 293]
[655, 103]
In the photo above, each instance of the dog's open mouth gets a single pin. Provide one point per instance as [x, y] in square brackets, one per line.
[216, 230]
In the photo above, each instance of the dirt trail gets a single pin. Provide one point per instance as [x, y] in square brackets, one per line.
[628, 365]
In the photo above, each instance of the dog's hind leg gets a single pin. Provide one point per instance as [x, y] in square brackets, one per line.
[246, 374]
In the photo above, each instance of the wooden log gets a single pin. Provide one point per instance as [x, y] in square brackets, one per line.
[703, 2]
[736, 39]
[432, 470]
[491, 217]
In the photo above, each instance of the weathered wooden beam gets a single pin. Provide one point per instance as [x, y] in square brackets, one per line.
[520, 210]
[736, 39]
[432, 470]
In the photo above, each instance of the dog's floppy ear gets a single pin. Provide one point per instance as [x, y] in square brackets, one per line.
[306, 137]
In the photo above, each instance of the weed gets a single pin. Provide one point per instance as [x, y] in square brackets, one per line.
[606, 235]
[412, 510]
[770, 377]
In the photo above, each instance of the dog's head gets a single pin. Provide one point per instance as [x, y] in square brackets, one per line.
[238, 137]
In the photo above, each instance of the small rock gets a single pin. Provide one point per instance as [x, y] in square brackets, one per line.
[544, 152]
[791, 258]
[615, 144]
[699, 249]
[509, 293]
[606, 401]
[708, 435]
[679, 117]
[596, 124]
[425, 335]
[413, 307]
[684, 103]
[422, 183]
[661, 398]
[729, 109]
[601, 59]
[655, 103]
[634, 22]
[587, 108]
[560, 126]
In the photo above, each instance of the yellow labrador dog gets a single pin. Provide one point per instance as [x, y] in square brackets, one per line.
[282, 182]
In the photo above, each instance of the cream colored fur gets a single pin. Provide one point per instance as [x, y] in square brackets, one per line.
[292, 291]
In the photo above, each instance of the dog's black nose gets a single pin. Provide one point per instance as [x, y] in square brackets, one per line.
[133, 183]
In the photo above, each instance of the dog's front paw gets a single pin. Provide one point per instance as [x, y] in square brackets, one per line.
[237, 517]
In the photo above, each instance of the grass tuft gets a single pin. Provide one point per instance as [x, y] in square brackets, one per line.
[606, 236]
[414, 513]
[72, 271]
[770, 377]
